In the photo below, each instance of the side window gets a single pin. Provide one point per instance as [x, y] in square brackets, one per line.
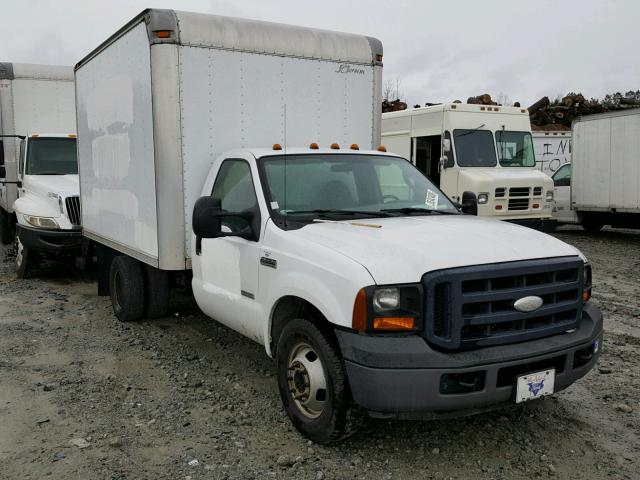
[449, 163]
[234, 188]
[1, 153]
[562, 177]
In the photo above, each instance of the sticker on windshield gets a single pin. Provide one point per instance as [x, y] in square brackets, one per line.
[432, 199]
[274, 206]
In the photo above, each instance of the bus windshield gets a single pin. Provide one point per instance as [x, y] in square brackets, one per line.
[515, 149]
[474, 148]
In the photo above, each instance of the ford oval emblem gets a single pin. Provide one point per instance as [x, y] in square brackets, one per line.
[528, 304]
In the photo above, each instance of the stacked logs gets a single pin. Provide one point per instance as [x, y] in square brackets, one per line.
[393, 106]
[484, 99]
[558, 115]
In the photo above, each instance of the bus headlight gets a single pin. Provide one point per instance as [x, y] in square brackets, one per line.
[483, 198]
[549, 196]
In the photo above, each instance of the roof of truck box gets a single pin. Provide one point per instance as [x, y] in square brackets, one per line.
[12, 71]
[254, 36]
[458, 107]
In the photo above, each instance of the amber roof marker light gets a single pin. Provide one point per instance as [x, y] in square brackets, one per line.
[163, 33]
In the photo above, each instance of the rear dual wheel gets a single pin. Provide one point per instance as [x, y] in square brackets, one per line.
[137, 291]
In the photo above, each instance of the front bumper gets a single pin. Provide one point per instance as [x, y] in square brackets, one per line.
[60, 242]
[541, 224]
[404, 376]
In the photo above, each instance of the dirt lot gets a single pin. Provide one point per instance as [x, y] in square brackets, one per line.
[84, 396]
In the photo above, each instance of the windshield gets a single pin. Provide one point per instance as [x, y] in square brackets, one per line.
[52, 156]
[515, 149]
[474, 148]
[355, 185]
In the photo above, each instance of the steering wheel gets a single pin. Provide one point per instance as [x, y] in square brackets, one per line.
[389, 197]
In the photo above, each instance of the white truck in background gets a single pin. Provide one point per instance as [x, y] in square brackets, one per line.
[39, 197]
[238, 154]
[552, 149]
[601, 186]
[481, 156]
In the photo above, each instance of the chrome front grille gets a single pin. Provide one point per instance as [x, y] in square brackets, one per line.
[473, 307]
[73, 209]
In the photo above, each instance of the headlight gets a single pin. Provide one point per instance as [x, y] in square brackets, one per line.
[549, 196]
[41, 222]
[483, 198]
[385, 299]
[388, 309]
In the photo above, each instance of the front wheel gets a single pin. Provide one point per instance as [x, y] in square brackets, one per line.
[313, 383]
[27, 260]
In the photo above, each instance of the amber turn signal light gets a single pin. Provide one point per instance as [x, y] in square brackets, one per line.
[163, 33]
[394, 323]
[359, 319]
[586, 295]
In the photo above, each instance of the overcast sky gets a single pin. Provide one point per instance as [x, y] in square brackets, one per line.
[440, 51]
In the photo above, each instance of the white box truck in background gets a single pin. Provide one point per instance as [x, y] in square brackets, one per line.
[481, 156]
[38, 165]
[552, 149]
[200, 146]
[601, 186]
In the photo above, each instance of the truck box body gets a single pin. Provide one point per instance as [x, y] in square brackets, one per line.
[552, 149]
[33, 98]
[606, 164]
[155, 110]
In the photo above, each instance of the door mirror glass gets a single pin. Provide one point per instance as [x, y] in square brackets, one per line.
[469, 203]
[447, 159]
[446, 145]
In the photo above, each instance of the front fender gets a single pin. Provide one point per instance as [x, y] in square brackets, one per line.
[30, 204]
[333, 301]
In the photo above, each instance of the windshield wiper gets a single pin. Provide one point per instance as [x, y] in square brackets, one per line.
[325, 212]
[470, 131]
[408, 210]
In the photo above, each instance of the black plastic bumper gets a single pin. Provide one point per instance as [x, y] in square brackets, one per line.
[542, 224]
[60, 242]
[404, 376]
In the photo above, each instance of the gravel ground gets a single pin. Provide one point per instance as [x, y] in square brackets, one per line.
[84, 396]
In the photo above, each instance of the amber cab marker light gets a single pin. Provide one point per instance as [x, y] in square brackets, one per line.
[354, 146]
[277, 146]
[382, 148]
[35, 135]
[335, 146]
[72, 135]
[359, 319]
[314, 146]
[394, 323]
[163, 33]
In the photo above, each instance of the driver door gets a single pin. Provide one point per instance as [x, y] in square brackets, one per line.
[228, 266]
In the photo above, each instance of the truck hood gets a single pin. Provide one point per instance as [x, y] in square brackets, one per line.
[42, 185]
[405, 248]
[508, 176]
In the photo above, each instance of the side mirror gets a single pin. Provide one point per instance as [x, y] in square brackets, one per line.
[446, 145]
[469, 203]
[207, 222]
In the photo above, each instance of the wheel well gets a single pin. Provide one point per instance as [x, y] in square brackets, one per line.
[288, 308]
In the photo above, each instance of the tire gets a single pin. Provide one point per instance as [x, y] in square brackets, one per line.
[304, 353]
[126, 288]
[592, 225]
[27, 260]
[7, 228]
[156, 292]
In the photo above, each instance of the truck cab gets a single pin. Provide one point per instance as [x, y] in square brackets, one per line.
[479, 155]
[48, 205]
[374, 293]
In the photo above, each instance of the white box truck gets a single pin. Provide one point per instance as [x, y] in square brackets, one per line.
[233, 148]
[552, 149]
[481, 156]
[601, 186]
[39, 197]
